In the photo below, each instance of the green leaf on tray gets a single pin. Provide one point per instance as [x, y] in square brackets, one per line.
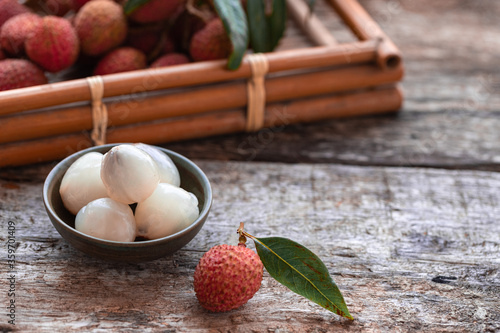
[233, 16]
[302, 271]
[132, 5]
[266, 25]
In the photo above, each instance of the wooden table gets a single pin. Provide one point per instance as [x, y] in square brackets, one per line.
[403, 209]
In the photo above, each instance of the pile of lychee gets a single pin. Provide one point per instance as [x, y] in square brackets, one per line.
[99, 37]
[131, 192]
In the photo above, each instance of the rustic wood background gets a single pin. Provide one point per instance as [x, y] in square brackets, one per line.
[402, 208]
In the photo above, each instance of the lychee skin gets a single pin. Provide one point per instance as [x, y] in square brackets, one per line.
[10, 8]
[211, 42]
[20, 73]
[156, 10]
[56, 7]
[101, 26]
[53, 44]
[122, 59]
[170, 59]
[16, 31]
[227, 276]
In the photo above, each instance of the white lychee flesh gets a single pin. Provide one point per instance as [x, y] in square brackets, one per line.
[129, 174]
[166, 167]
[82, 182]
[168, 210]
[107, 219]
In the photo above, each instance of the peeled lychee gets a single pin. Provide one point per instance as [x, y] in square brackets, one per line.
[129, 174]
[16, 31]
[19, 73]
[53, 44]
[107, 219]
[211, 42]
[168, 210]
[227, 276]
[170, 60]
[101, 26]
[156, 10]
[10, 8]
[123, 59]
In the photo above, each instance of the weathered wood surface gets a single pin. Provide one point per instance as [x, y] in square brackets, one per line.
[450, 117]
[411, 250]
[408, 226]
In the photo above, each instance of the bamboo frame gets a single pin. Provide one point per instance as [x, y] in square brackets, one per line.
[202, 99]
[380, 100]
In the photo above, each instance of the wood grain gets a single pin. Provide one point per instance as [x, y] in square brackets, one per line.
[408, 226]
[406, 254]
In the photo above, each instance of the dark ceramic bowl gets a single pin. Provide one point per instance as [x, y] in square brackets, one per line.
[192, 180]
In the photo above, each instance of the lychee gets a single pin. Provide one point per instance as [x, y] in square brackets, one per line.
[156, 10]
[227, 276]
[77, 4]
[10, 8]
[186, 25]
[211, 42]
[122, 59]
[19, 73]
[145, 38]
[53, 44]
[16, 31]
[101, 26]
[56, 7]
[171, 59]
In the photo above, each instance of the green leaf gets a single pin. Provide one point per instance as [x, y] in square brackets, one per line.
[266, 28]
[234, 19]
[277, 22]
[258, 27]
[132, 5]
[302, 271]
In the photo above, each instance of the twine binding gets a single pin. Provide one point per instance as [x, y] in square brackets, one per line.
[99, 110]
[256, 92]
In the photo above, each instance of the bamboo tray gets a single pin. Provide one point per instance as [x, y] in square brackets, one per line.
[196, 100]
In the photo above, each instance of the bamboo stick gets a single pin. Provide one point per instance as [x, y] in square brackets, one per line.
[234, 95]
[310, 23]
[361, 23]
[134, 82]
[380, 100]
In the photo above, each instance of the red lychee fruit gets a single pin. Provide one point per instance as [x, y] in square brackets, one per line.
[123, 59]
[16, 31]
[10, 8]
[186, 25]
[211, 42]
[53, 44]
[168, 45]
[101, 26]
[227, 276]
[145, 38]
[20, 73]
[170, 59]
[77, 4]
[56, 7]
[157, 10]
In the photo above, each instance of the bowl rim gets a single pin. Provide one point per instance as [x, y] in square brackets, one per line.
[143, 243]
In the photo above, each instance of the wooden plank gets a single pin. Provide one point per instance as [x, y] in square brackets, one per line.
[411, 249]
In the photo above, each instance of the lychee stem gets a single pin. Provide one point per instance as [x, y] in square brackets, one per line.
[243, 235]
